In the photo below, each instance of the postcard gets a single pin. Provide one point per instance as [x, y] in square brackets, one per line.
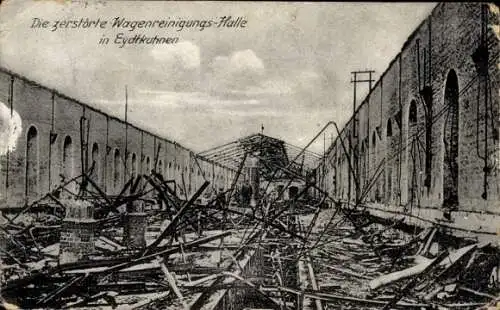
[249, 155]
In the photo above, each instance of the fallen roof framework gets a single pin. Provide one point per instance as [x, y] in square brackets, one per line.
[275, 229]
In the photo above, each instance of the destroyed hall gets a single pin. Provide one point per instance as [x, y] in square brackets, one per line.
[401, 211]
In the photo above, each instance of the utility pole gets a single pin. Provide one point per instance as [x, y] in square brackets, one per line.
[126, 134]
[323, 183]
[364, 76]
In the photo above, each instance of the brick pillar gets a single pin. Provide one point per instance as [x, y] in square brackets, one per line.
[135, 226]
[78, 231]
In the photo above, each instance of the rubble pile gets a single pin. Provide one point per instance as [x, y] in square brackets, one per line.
[150, 248]
[144, 248]
[378, 267]
[96, 250]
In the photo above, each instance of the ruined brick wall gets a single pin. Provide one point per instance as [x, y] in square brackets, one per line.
[443, 153]
[48, 152]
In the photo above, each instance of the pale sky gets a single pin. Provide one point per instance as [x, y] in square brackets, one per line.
[288, 69]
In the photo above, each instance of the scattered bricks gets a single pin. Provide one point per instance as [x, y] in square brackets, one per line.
[77, 239]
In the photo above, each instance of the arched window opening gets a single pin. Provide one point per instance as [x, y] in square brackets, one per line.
[389, 128]
[412, 116]
[32, 163]
[416, 157]
[363, 163]
[55, 169]
[95, 163]
[450, 140]
[134, 165]
[148, 165]
[389, 183]
[67, 158]
[127, 171]
[117, 169]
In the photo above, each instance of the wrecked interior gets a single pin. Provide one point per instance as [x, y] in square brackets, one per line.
[275, 248]
[399, 212]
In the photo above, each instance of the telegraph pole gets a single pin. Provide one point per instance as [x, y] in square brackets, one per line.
[126, 117]
[324, 163]
[365, 76]
[126, 135]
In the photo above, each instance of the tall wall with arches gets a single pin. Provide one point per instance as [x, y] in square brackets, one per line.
[61, 135]
[426, 139]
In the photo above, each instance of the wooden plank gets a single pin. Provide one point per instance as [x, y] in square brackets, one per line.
[399, 275]
[171, 282]
[144, 302]
[314, 284]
